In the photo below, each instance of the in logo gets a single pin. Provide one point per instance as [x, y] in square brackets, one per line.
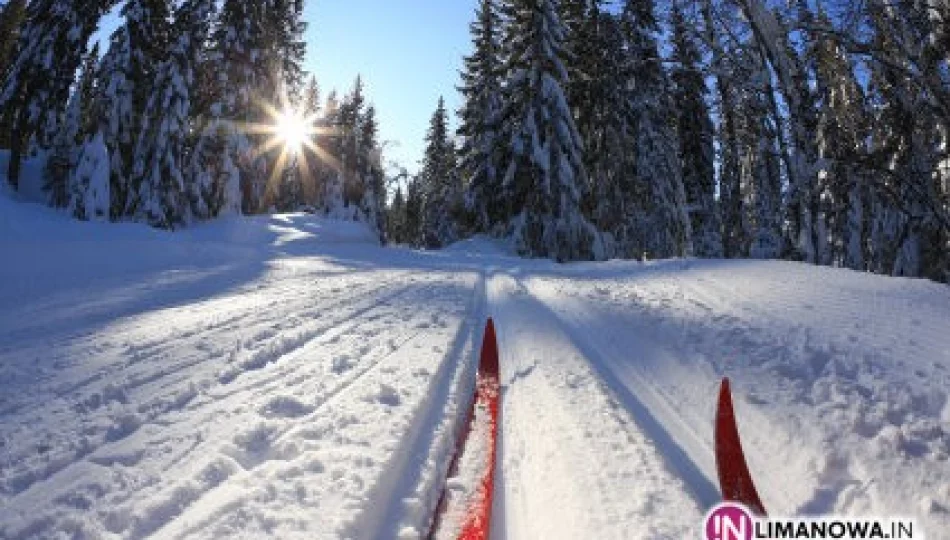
[729, 521]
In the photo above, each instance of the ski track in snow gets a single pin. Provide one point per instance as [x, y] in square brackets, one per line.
[284, 386]
[569, 450]
[837, 413]
[173, 423]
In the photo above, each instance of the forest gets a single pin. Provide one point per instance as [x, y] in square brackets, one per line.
[814, 131]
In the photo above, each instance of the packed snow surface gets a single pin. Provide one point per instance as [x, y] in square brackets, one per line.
[288, 377]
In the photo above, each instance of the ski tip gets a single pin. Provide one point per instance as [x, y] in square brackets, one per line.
[725, 397]
[489, 358]
[735, 480]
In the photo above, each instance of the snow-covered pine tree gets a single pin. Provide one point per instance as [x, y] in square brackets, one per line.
[283, 51]
[89, 184]
[544, 180]
[224, 153]
[285, 28]
[350, 148]
[290, 188]
[373, 202]
[697, 138]
[329, 141]
[72, 131]
[666, 230]
[309, 162]
[396, 218]
[166, 196]
[12, 15]
[35, 91]
[126, 76]
[480, 150]
[760, 176]
[584, 52]
[843, 123]
[600, 97]
[443, 191]
[310, 106]
[716, 35]
[414, 207]
[213, 169]
[793, 78]
[906, 225]
[353, 181]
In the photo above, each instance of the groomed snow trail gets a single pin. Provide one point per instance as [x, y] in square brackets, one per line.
[285, 377]
[312, 398]
[569, 450]
[841, 378]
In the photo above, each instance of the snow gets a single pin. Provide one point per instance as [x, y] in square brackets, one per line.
[287, 377]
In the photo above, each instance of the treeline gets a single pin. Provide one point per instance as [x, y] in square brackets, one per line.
[174, 122]
[717, 128]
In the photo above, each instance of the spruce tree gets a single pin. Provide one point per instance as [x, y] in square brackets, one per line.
[125, 83]
[600, 97]
[286, 28]
[283, 50]
[842, 122]
[480, 150]
[64, 153]
[36, 88]
[373, 201]
[544, 178]
[12, 16]
[414, 208]
[696, 137]
[906, 230]
[166, 195]
[759, 168]
[225, 153]
[89, 182]
[310, 161]
[396, 218]
[664, 226]
[443, 191]
[349, 147]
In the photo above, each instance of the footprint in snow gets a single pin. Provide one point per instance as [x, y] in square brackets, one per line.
[387, 395]
[341, 364]
[123, 426]
[285, 407]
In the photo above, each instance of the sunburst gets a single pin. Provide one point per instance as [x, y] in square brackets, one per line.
[295, 133]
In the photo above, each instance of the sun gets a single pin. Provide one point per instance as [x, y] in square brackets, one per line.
[292, 129]
[292, 137]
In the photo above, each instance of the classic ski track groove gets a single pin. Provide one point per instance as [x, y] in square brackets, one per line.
[570, 374]
[338, 326]
[423, 443]
[340, 390]
[345, 323]
[403, 469]
[165, 343]
[696, 452]
[705, 494]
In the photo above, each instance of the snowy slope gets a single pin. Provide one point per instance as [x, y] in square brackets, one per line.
[287, 377]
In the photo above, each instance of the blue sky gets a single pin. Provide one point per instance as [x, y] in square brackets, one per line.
[408, 51]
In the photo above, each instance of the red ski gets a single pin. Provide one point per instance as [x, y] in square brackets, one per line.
[735, 481]
[476, 524]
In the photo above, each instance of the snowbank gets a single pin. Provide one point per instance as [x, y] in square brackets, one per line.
[286, 376]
